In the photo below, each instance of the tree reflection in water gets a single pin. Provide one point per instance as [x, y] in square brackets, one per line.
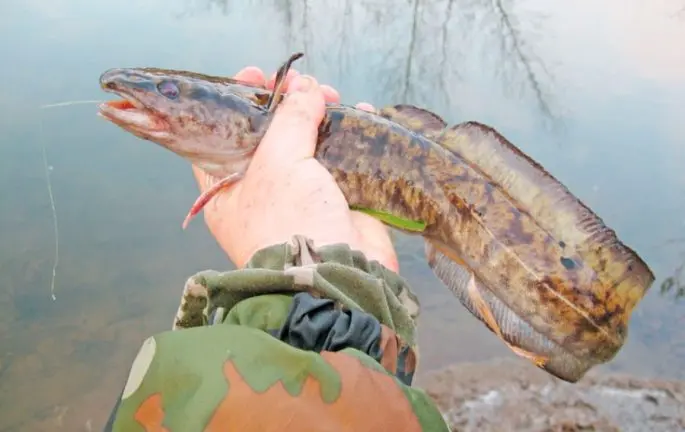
[416, 42]
[674, 285]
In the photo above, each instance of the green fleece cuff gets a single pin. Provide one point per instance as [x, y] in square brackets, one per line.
[335, 272]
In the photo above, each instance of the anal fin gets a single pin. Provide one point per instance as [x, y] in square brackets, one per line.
[464, 284]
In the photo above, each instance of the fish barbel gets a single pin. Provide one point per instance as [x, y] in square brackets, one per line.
[521, 253]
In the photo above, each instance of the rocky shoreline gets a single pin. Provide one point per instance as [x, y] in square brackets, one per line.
[510, 395]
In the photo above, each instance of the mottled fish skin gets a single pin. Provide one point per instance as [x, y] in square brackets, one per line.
[215, 122]
[549, 262]
[583, 264]
[379, 165]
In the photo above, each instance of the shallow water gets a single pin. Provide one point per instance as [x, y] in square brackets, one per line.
[595, 92]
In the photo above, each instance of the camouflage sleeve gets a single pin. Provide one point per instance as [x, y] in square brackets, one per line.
[301, 339]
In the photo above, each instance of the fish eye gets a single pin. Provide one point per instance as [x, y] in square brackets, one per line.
[168, 89]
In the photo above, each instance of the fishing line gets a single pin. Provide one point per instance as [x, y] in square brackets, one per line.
[68, 103]
[52, 205]
[46, 167]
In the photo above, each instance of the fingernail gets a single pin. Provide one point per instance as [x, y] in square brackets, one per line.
[301, 83]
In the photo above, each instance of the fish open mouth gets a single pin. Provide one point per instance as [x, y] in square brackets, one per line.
[132, 115]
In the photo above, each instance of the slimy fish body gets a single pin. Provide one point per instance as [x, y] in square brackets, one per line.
[523, 254]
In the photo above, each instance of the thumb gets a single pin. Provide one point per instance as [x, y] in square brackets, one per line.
[293, 130]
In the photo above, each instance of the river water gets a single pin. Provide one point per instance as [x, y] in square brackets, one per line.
[595, 91]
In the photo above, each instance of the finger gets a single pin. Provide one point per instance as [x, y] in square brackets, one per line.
[251, 75]
[365, 107]
[293, 131]
[292, 73]
[330, 94]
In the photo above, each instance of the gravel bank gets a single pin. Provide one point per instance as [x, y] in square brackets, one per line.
[511, 395]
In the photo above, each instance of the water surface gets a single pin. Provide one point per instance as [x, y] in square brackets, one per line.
[595, 91]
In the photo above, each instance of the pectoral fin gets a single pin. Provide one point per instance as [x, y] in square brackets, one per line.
[394, 221]
[216, 187]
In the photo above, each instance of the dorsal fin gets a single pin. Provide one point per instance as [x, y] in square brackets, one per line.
[275, 97]
[415, 119]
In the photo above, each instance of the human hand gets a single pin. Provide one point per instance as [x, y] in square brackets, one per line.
[285, 191]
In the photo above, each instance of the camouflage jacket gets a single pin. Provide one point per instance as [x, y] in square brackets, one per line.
[301, 339]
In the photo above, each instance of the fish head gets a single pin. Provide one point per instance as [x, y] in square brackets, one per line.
[213, 122]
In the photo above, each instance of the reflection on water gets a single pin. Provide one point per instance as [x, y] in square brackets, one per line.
[614, 84]
[674, 285]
